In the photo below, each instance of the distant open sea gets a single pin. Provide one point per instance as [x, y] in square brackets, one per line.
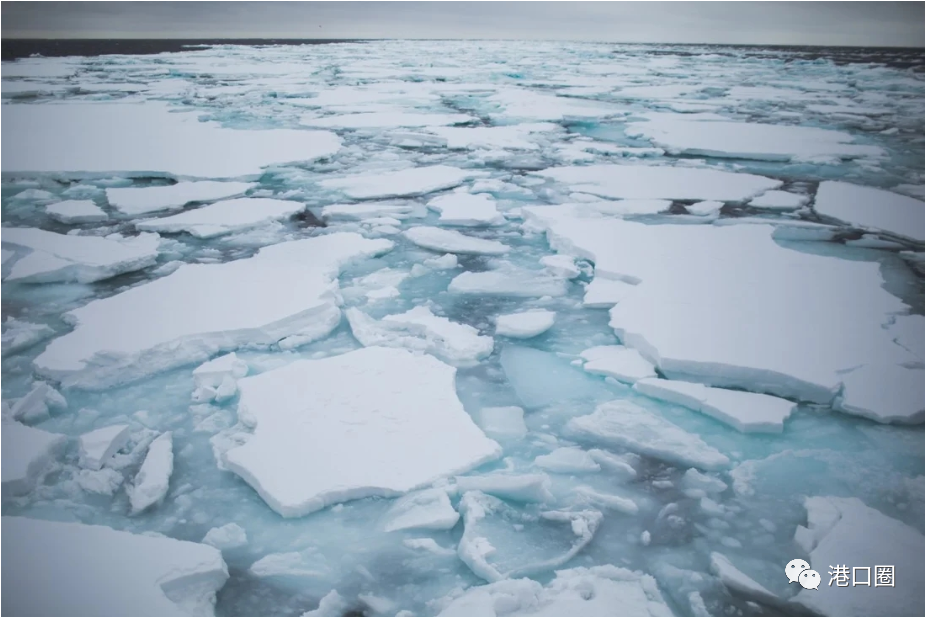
[895, 57]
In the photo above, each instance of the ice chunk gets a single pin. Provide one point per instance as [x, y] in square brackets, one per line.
[27, 456]
[19, 335]
[402, 183]
[883, 393]
[508, 282]
[332, 605]
[707, 208]
[288, 565]
[532, 487]
[96, 447]
[747, 412]
[561, 382]
[429, 545]
[630, 207]
[447, 261]
[605, 293]
[153, 478]
[502, 422]
[421, 330]
[466, 210]
[449, 241]
[738, 582]
[846, 531]
[651, 182]
[603, 500]
[174, 143]
[870, 208]
[397, 427]
[53, 258]
[622, 465]
[72, 212]
[561, 265]
[184, 317]
[128, 574]
[368, 210]
[779, 200]
[524, 325]
[215, 371]
[33, 407]
[136, 201]
[226, 537]
[567, 460]
[382, 119]
[629, 426]
[428, 509]
[101, 482]
[224, 217]
[511, 137]
[747, 140]
[621, 363]
[589, 592]
[33, 195]
[694, 480]
[481, 514]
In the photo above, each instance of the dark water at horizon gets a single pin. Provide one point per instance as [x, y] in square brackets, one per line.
[894, 57]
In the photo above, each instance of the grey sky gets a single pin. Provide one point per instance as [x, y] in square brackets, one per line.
[787, 23]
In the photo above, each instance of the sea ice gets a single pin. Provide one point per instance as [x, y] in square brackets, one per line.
[211, 374]
[605, 293]
[561, 265]
[846, 531]
[567, 460]
[368, 210]
[93, 571]
[734, 580]
[74, 212]
[153, 479]
[226, 537]
[96, 447]
[52, 258]
[528, 488]
[679, 134]
[502, 422]
[33, 407]
[224, 217]
[779, 200]
[466, 210]
[27, 454]
[602, 500]
[630, 426]
[706, 208]
[402, 183]
[184, 317]
[513, 137]
[376, 119]
[747, 412]
[589, 592]
[561, 382]
[18, 335]
[630, 207]
[449, 241]
[870, 208]
[508, 282]
[621, 363]
[135, 201]
[398, 426]
[481, 514]
[421, 330]
[427, 509]
[104, 481]
[886, 393]
[43, 138]
[332, 605]
[660, 182]
[524, 325]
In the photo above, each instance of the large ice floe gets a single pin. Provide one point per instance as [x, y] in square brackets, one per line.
[462, 329]
[398, 426]
[184, 317]
[128, 575]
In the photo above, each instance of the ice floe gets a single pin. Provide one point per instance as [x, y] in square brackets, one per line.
[502, 422]
[129, 575]
[621, 363]
[183, 317]
[421, 330]
[226, 537]
[28, 454]
[367, 210]
[605, 293]
[96, 447]
[779, 200]
[449, 241]
[567, 460]
[870, 208]
[224, 217]
[402, 183]
[528, 488]
[153, 479]
[398, 427]
[375, 119]
[886, 393]
[49, 257]
[514, 137]
[427, 509]
[136, 201]
[747, 412]
[18, 335]
[624, 424]
[466, 210]
[508, 282]
[524, 325]
[76, 211]
[174, 143]
[561, 265]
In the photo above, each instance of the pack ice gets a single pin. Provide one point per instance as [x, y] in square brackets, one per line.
[136, 201]
[224, 217]
[183, 317]
[396, 427]
[128, 574]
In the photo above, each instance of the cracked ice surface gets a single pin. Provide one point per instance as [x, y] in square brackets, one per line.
[726, 241]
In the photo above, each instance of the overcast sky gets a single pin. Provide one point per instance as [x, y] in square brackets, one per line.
[787, 23]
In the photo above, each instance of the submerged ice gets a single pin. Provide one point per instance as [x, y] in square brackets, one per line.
[463, 329]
